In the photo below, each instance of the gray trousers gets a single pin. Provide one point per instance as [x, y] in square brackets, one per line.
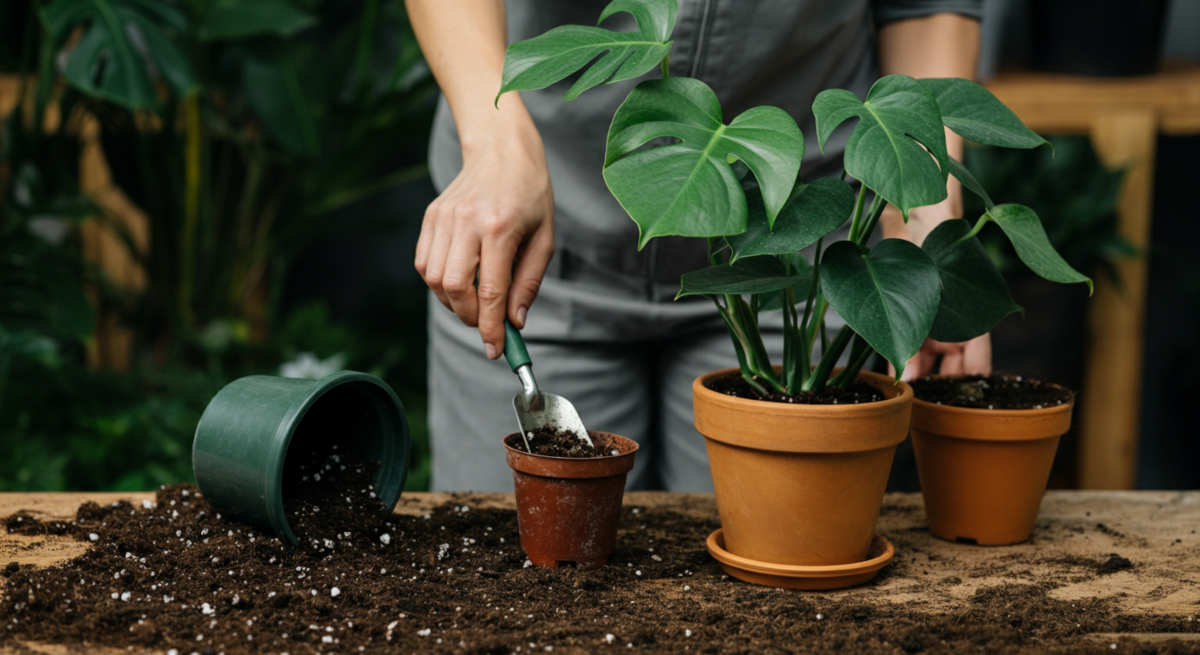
[618, 347]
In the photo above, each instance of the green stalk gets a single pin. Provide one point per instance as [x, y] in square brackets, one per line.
[191, 210]
[858, 207]
[877, 206]
[793, 344]
[829, 357]
[859, 352]
[987, 216]
[743, 364]
[746, 329]
[665, 64]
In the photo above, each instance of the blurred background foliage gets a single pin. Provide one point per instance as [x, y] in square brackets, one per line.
[245, 131]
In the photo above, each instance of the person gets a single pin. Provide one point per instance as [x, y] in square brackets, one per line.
[523, 213]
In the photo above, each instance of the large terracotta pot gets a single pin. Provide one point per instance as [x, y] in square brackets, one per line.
[800, 484]
[568, 508]
[983, 471]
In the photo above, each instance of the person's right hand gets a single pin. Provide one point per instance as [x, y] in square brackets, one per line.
[499, 210]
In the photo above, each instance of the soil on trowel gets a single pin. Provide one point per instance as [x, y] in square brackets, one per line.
[733, 384]
[173, 575]
[995, 391]
[553, 442]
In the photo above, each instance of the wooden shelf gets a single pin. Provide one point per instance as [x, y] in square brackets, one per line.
[1123, 117]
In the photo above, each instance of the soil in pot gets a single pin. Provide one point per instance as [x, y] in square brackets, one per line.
[733, 384]
[552, 442]
[453, 580]
[995, 391]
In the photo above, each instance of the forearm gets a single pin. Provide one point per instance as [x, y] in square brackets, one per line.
[464, 42]
[941, 45]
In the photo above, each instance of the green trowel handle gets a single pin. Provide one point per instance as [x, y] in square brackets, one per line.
[514, 347]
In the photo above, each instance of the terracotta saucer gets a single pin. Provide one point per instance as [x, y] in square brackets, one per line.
[788, 576]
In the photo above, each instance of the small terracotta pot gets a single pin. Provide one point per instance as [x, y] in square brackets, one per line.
[983, 471]
[567, 507]
[800, 484]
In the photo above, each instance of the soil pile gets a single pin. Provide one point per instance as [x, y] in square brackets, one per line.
[732, 384]
[995, 391]
[174, 574]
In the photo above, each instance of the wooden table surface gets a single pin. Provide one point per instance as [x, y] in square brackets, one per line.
[1076, 532]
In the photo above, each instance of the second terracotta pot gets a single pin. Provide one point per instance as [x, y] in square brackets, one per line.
[983, 471]
[568, 508]
[800, 484]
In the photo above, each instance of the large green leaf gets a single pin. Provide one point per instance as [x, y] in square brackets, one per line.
[974, 295]
[1024, 229]
[273, 89]
[106, 64]
[972, 112]
[688, 188]
[899, 128]
[811, 212]
[889, 297]
[246, 19]
[751, 275]
[550, 57]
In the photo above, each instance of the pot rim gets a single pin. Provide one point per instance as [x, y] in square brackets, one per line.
[574, 467]
[797, 428]
[979, 424]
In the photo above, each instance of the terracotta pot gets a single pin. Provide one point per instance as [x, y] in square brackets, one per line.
[983, 471]
[800, 484]
[568, 508]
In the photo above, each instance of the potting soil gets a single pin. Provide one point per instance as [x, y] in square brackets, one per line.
[173, 575]
[732, 384]
[995, 391]
[553, 442]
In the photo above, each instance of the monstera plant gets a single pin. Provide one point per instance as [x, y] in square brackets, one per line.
[678, 168]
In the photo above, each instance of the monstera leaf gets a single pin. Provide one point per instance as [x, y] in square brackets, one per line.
[972, 112]
[974, 295]
[688, 188]
[899, 127]
[106, 63]
[545, 59]
[751, 275]
[889, 296]
[811, 212]
[1023, 227]
[238, 21]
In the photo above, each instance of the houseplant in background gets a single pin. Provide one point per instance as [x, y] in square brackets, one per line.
[736, 185]
[238, 163]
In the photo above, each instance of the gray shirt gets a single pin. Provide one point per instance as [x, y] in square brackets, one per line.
[751, 52]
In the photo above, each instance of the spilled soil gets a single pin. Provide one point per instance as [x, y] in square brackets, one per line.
[733, 384]
[173, 574]
[995, 391]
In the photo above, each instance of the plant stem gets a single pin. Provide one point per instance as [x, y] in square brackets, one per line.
[665, 64]
[873, 214]
[987, 216]
[191, 209]
[743, 364]
[858, 207]
[829, 357]
[859, 352]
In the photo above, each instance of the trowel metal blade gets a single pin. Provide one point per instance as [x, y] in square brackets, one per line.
[556, 412]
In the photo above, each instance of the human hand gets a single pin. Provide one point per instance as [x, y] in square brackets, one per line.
[495, 219]
[972, 357]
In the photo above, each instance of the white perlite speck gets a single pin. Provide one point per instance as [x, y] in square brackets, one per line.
[94, 537]
[609, 638]
[687, 633]
[147, 504]
[385, 538]
[424, 633]
[335, 592]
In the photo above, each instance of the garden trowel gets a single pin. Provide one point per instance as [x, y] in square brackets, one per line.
[536, 409]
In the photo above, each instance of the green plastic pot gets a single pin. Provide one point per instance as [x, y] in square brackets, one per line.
[247, 430]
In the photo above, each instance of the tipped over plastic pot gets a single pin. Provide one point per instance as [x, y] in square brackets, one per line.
[249, 428]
